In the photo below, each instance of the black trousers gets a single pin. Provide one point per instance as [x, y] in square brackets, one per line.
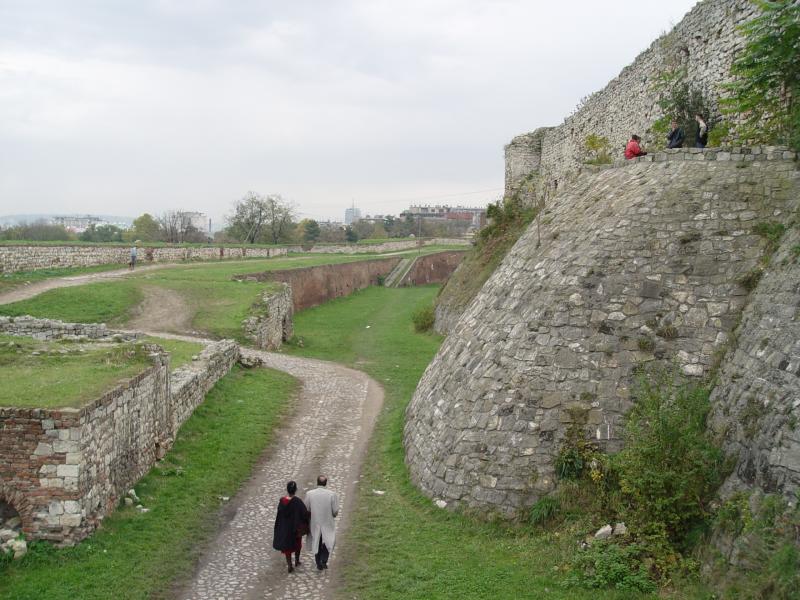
[322, 555]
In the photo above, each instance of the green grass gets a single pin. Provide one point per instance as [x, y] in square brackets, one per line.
[401, 545]
[180, 352]
[63, 374]
[141, 555]
[217, 303]
[9, 281]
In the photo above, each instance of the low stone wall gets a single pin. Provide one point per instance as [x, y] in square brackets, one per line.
[433, 268]
[312, 286]
[387, 246]
[31, 257]
[49, 329]
[63, 470]
[272, 323]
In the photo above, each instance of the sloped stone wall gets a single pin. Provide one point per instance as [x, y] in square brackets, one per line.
[50, 329]
[64, 469]
[635, 264]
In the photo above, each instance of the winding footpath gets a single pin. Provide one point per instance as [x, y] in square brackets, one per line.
[328, 432]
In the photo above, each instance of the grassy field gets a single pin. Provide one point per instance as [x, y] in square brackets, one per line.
[402, 546]
[9, 281]
[65, 374]
[217, 303]
[141, 555]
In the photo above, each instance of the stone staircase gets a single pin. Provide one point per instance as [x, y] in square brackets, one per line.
[398, 274]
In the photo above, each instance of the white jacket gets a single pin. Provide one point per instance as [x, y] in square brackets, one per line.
[324, 506]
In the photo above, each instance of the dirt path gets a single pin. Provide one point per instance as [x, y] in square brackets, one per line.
[328, 433]
[161, 310]
[34, 289]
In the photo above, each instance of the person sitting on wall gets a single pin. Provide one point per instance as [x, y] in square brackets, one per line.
[701, 137]
[675, 136]
[634, 149]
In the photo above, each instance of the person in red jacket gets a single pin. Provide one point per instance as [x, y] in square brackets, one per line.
[633, 149]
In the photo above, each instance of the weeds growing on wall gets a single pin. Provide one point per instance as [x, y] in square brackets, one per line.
[661, 485]
[598, 150]
[767, 85]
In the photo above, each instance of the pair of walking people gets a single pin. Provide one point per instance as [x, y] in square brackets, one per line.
[314, 517]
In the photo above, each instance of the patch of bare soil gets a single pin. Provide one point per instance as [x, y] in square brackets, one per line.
[161, 310]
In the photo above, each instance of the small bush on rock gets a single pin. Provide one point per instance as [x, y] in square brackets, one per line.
[612, 565]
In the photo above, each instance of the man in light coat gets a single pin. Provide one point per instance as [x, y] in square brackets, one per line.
[324, 506]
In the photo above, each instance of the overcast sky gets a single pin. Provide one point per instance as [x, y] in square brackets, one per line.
[141, 106]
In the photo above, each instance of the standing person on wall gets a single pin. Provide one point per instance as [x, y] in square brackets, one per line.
[291, 524]
[701, 138]
[324, 506]
[675, 136]
[132, 262]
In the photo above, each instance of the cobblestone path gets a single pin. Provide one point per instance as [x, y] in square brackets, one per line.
[328, 433]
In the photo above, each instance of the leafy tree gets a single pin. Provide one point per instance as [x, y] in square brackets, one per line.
[311, 231]
[176, 227]
[679, 100]
[767, 73]
[38, 231]
[146, 229]
[350, 235]
[102, 233]
[257, 218]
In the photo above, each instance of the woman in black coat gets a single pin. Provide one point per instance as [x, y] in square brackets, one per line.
[291, 524]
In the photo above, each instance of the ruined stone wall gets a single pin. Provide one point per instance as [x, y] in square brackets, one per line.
[432, 268]
[50, 329]
[64, 469]
[271, 325]
[705, 41]
[756, 400]
[635, 265]
[312, 286]
[31, 257]
[387, 246]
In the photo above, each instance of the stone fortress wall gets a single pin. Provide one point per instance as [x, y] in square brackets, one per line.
[271, 324]
[17, 258]
[637, 264]
[49, 329]
[64, 469]
[706, 41]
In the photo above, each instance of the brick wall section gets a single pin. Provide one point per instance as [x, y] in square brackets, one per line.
[312, 286]
[48, 329]
[63, 470]
[637, 265]
[272, 324]
[433, 268]
[32, 257]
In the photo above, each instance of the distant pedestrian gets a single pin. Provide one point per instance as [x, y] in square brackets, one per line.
[324, 506]
[675, 136]
[634, 149]
[701, 138]
[132, 263]
[291, 524]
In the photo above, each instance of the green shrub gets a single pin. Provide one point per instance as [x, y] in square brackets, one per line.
[772, 232]
[598, 149]
[423, 319]
[669, 468]
[718, 134]
[607, 564]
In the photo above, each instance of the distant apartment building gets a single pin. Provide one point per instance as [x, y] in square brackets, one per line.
[199, 221]
[77, 224]
[474, 215]
[352, 215]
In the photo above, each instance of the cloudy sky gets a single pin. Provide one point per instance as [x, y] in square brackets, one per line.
[126, 107]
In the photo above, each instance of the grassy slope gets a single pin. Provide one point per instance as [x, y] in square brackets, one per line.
[137, 556]
[401, 545]
[218, 304]
[67, 378]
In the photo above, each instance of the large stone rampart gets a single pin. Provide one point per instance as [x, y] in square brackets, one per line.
[432, 268]
[705, 42]
[644, 263]
[64, 469]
